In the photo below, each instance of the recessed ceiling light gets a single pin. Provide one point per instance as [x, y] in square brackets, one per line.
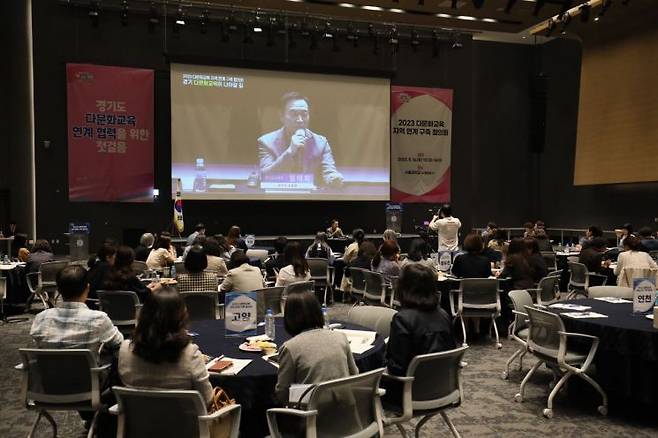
[258, 29]
[444, 15]
[490, 20]
[396, 10]
[346, 5]
[372, 8]
[466, 17]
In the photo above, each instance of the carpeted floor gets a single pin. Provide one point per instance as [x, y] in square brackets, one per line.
[488, 410]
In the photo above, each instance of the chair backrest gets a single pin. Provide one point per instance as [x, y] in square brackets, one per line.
[358, 280]
[351, 399]
[373, 317]
[549, 258]
[579, 277]
[299, 286]
[627, 275]
[573, 259]
[395, 294]
[437, 379]
[479, 293]
[318, 268]
[49, 270]
[139, 267]
[610, 291]
[201, 305]
[520, 298]
[260, 254]
[60, 377]
[180, 268]
[548, 289]
[162, 413]
[543, 337]
[120, 305]
[268, 298]
[375, 285]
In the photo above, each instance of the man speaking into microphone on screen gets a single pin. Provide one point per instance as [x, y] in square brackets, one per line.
[294, 149]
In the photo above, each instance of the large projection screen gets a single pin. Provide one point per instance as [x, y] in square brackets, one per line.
[258, 134]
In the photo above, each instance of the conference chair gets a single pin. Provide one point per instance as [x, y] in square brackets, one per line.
[139, 267]
[121, 307]
[373, 317]
[519, 328]
[611, 291]
[358, 280]
[550, 259]
[49, 271]
[61, 380]
[376, 287]
[321, 274]
[201, 305]
[260, 254]
[578, 280]
[269, 298]
[171, 414]
[431, 386]
[395, 295]
[547, 291]
[477, 297]
[547, 340]
[346, 407]
[299, 286]
[3, 298]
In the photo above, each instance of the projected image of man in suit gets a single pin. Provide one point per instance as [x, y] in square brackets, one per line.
[294, 148]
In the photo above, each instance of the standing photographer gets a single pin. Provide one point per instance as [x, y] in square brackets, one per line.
[447, 228]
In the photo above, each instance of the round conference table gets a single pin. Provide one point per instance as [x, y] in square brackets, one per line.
[627, 357]
[253, 386]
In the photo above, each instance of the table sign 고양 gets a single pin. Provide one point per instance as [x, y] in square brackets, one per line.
[644, 294]
[240, 313]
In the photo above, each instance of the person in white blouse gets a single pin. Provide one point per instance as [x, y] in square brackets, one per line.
[633, 257]
[448, 229]
[296, 268]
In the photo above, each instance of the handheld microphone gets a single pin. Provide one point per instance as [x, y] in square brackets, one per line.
[300, 151]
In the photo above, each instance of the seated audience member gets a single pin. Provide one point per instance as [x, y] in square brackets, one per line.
[199, 230]
[632, 257]
[649, 243]
[623, 232]
[199, 240]
[517, 267]
[23, 255]
[144, 248]
[363, 260]
[489, 232]
[543, 242]
[419, 252]
[215, 255]
[390, 235]
[162, 255]
[196, 279]
[498, 242]
[529, 230]
[320, 249]
[120, 276]
[242, 277]
[99, 272]
[312, 355]
[535, 260]
[334, 231]
[421, 326]
[296, 268]
[592, 258]
[592, 232]
[276, 261]
[227, 249]
[72, 324]
[353, 248]
[539, 225]
[160, 354]
[386, 260]
[234, 239]
[41, 253]
[472, 264]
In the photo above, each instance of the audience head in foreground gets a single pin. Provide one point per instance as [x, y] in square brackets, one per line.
[160, 354]
[312, 355]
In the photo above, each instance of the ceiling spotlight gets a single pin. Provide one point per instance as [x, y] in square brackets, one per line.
[94, 12]
[538, 5]
[585, 11]
[509, 6]
[566, 19]
[550, 27]
[478, 3]
[124, 13]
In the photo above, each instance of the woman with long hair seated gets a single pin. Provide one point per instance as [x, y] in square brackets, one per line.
[313, 354]
[386, 260]
[196, 279]
[162, 255]
[472, 264]
[296, 267]
[419, 252]
[122, 277]
[215, 254]
[320, 248]
[160, 353]
[517, 266]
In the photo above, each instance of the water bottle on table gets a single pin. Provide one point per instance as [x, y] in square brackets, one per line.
[270, 329]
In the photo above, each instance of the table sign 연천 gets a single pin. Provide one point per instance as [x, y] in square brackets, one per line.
[240, 313]
[644, 294]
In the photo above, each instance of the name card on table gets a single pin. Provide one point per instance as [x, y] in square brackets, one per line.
[240, 313]
[445, 261]
[644, 294]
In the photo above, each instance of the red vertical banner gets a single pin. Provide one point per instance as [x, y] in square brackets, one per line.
[421, 134]
[110, 133]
